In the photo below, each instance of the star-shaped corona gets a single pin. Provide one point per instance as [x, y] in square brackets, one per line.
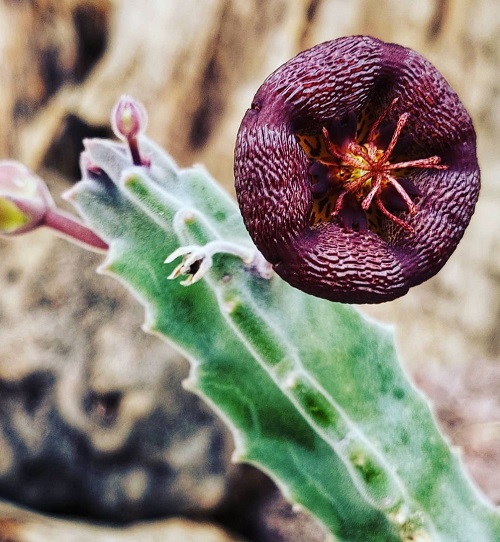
[350, 180]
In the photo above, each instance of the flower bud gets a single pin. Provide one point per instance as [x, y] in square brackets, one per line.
[129, 118]
[24, 198]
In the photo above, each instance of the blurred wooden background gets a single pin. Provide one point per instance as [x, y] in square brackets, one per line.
[196, 65]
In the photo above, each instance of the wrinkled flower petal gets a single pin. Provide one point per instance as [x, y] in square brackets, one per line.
[356, 170]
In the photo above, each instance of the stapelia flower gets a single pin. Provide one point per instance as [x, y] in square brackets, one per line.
[356, 170]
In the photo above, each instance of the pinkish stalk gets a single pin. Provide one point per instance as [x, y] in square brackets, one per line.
[134, 150]
[72, 229]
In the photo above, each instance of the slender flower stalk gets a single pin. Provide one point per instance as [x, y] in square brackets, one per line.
[66, 225]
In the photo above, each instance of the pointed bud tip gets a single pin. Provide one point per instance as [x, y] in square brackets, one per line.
[128, 118]
[17, 179]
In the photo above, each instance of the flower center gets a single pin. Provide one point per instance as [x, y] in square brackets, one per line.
[353, 178]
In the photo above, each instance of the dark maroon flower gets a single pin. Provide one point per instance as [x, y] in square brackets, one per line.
[356, 170]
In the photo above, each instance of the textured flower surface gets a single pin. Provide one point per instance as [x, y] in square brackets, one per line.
[356, 170]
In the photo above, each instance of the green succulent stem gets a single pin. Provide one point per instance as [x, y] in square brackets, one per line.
[312, 391]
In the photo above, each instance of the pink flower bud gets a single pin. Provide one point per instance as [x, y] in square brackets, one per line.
[128, 118]
[24, 198]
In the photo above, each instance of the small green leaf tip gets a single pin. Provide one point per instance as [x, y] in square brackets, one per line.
[129, 118]
[24, 198]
